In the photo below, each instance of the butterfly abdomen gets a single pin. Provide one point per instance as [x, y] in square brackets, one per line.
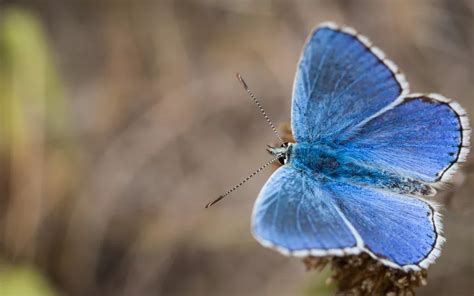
[326, 161]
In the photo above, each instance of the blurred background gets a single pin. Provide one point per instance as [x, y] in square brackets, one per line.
[119, 120]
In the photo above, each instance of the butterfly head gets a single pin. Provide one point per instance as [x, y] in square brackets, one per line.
[282, 152]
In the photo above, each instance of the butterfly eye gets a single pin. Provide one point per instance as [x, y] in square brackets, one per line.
[282, 159]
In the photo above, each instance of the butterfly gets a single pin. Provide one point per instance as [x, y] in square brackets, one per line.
[366, 155]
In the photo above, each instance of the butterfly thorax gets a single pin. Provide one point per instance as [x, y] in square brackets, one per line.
[318, 158]
[322, 160]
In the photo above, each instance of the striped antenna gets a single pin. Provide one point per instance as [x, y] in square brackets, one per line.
[243, 181]
[270, 123]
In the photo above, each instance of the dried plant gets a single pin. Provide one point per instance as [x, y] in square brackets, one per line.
[363, 275]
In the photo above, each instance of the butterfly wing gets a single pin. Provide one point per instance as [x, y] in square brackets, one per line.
[294, 215]
[341, 80]
[423, 137]
[301, 214]
[401, 231]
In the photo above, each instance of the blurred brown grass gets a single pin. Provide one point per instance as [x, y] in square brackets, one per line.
[121, 119]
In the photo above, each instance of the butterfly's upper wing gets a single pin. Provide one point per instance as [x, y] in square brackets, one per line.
[340, 81]
[302, 213]
[423, 137]
[348, 94]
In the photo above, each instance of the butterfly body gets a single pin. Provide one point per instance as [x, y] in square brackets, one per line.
[330, 162]
[366, 155]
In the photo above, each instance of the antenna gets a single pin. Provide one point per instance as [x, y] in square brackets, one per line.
[259, 107]
[243, 181]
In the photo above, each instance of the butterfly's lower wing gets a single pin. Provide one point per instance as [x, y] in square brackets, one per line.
[423, 137]
[341, 80]
[302, 214]
[401, 231]
[294, 215]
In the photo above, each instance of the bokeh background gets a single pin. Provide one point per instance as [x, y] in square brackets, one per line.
[119, 120]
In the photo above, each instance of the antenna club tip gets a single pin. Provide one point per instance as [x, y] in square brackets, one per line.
[214, 201]
[242, 81]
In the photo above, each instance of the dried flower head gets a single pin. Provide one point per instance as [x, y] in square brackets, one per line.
[363, 275]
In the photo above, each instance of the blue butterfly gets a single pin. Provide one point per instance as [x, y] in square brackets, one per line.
[366, 154]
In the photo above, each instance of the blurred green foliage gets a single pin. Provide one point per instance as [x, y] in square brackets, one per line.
[32, 121]
[23, 281]
[29, 84]
[318, 284]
